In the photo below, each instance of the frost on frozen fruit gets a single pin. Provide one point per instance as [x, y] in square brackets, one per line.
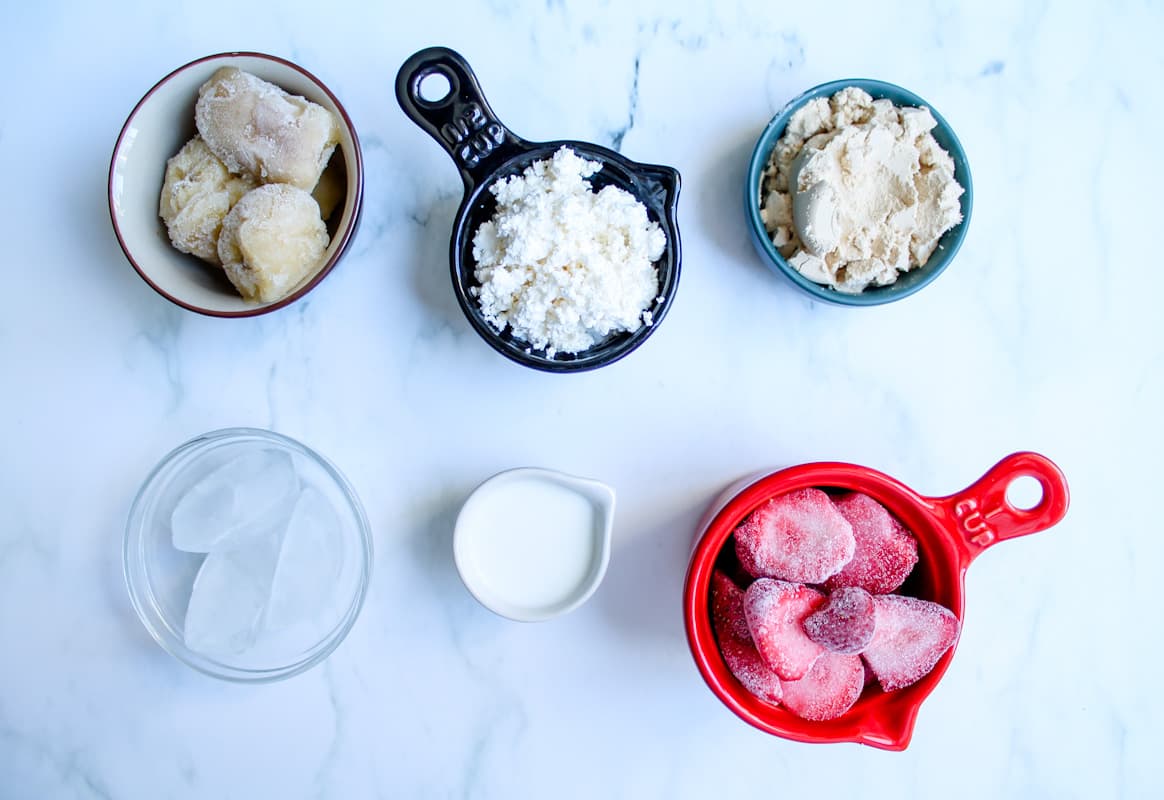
[814, 648]
[798, 537]
[256, 128]
[251, 191]
[740, 654]
[775, 612]
[197, 193]
[563, 266]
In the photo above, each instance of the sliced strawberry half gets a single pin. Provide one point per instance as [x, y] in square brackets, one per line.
[845, 623]
[799, 537]
[727, 608]
[775, 611]
[751, 671]
[828, 690]
[731, 631]
[885, 551]
[911, 636]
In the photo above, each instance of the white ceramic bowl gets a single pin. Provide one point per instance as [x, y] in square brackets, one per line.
[158, 126]
[532, 544]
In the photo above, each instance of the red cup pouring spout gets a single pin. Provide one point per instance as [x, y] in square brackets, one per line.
[951, 532]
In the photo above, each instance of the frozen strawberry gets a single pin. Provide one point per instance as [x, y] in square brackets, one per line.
[750, 670]
[775, 611]
[845, 623]
[799, 537]
[829, 689]
[727, 608]
[727, 618]
[886, 552]
[911, 636]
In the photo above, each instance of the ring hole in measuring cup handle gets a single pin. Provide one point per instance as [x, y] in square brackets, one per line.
[434, 87]
[989, 512]
[1025, 493]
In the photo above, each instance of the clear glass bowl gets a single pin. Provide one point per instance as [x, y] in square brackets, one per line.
[160, 577]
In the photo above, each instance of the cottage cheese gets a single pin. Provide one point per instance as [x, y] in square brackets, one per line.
[564, 266]
[858, 191]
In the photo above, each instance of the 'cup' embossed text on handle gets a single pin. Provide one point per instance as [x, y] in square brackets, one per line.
[983, 515]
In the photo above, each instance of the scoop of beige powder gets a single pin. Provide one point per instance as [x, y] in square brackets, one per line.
[857, 191]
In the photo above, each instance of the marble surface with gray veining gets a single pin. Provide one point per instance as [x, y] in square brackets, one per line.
[1042, 336]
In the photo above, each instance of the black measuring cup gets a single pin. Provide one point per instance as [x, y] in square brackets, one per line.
[486, 151]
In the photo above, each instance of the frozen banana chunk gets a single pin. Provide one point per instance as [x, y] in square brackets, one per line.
[256, 127]
[271, 240]
[197, 193]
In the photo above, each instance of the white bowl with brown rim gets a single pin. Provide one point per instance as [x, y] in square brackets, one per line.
[156, 129]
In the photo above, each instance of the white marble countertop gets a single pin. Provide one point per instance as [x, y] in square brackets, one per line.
[1041, 336]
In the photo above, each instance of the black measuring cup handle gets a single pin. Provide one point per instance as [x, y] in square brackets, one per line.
[461, 121]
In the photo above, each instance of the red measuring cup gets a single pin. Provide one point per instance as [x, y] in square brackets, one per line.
[951, 532]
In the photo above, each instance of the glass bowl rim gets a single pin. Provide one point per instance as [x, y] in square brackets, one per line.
[141, 591]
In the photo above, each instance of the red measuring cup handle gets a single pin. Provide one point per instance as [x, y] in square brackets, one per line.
[983, 515]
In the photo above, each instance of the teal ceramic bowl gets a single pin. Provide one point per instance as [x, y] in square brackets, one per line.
[914, 280]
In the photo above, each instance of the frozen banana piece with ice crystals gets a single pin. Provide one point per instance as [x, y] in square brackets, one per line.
[256, 127]
[271, 240]
[197, 193]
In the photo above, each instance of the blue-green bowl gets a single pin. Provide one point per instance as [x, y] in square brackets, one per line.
[907, 283]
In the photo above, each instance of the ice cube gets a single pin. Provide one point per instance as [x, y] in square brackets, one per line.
[241, 499]
[309, 563]
[230, 594]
